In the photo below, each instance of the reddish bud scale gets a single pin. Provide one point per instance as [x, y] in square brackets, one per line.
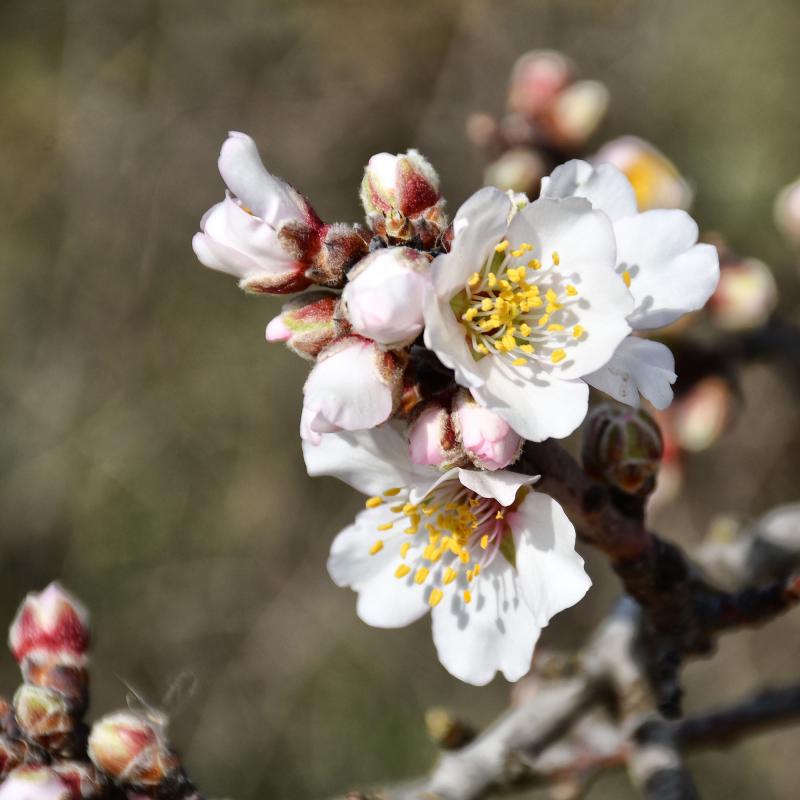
[81, 778]
[44, 717]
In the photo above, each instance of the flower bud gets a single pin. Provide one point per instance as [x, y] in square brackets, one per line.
[432, 438]
[131, 750]
[82, 779]
[308, 324]
[34, 782]
[654, 178]
[385, 293]
[517, 170]
[62, 672]
[487, 439]
[401, 197]
[12, 754]
[44, 716]
[623, 447]
[49, 621]
[746, 295]
[702, 414]
[536, 81]
[787, 212]
[354, 385]
[578, 111]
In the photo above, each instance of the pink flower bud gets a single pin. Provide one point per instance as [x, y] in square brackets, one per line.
[402, 198]
[82, 779]
[51, 621]
[787, 212]
[44, 716]
[702, 414]
[487, 439]
[432, 439]
[385, 293]
[654, 178]
[354, 386]
[308, 324]
[131, 750]
[746, 294]
[34, 782]
[536, 80]
[518, 170]
[578, 111]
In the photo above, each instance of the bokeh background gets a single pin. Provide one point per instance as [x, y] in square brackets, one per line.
[148, 449]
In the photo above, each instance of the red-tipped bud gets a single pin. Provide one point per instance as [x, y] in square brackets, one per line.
[52, 621]
[34, 782]
[622, 446]
[537, 79]
[308, 324]
[44, 716]
[402, 198]
[132, 750]
[83, 780]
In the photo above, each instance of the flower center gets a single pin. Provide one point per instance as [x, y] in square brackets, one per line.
[519, 308]
[453, 534]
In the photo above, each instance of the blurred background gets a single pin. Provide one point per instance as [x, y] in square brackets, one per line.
[149, 455]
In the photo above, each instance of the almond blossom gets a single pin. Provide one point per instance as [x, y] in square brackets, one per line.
[525, 304]
[658, 258]
[492, 559]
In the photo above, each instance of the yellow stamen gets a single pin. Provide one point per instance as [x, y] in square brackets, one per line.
[556, 258]
[555, 327]
[449, 575]
[474, 279]
[402, 571]
[374, 502]
[534, 263]
[386, 526]
[376, 548]
[435, 596]
[422, 573]
[404, 549]
[626, 276]
[558, 355]
[484, 541]
[502, 247]
[571, 290]
[519, 362]
[578, 331]
[467, 596]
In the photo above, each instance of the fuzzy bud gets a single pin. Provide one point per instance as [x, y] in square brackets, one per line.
[132, 750]
[402, 199]
[746, 295]
[517, 170]
[787, 212]
[702, 414]
[385, 294]
[44, 716]
[654, 178]
[578, 111]
[487, 439]
[34, 782]
[623, 447]
[308, 324]
[538, 77]
[83, 780]
[51, 621]
[432, 438]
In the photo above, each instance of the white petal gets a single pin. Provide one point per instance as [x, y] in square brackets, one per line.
[536, 409]
[384, 600]
[370, 461]
[639, 366]
[496, 631]
[670, 273]
[478, 226]
[605, 187]
[551, 573]
[502, 485]
[347, 390]
[245, 175]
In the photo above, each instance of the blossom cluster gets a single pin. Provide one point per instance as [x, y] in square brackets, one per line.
[438, 348]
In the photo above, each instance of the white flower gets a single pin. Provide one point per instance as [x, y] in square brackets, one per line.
[658, 258]
[264, 231]
[34, 782]
[492, 559]
[384, 295]
[523, 309]
[353, 385]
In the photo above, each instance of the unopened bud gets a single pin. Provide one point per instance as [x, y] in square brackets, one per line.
[308, 324]
[518, 170]
[445, 730]
[402, 198]
[537, 79]
[623, 447]
[341, 246]
[385, 294]
[34, 782]
[702, 414]
[578, 111]
[62, 672]
[654, 178]
[12, 754]
[432, 438]
[487, 439]
[44, 716]
[132, 750]
[82, 778]
[787, 212]
[51, 621]
[746, 295]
